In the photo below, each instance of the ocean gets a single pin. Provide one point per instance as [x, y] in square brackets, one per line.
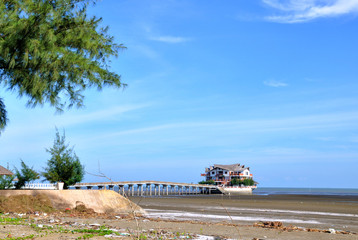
[306, 191]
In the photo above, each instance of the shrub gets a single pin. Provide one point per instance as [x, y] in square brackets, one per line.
[235, 182]
[209, 182]
[249, 182]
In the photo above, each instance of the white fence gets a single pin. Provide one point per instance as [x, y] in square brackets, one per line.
[47, 186]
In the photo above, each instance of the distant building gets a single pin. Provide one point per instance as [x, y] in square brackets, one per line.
[223, 174]
[4, 171]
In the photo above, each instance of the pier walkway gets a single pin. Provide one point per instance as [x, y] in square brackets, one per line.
[150, 188]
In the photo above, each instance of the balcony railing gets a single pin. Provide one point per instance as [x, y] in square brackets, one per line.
[48, 186]
[242, 174]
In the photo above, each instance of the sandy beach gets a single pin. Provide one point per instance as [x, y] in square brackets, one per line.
[201, 217]
[303, 211]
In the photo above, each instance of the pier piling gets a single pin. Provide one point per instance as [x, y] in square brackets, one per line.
[150, 188]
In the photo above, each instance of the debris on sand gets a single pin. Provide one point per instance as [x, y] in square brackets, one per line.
[280, 226]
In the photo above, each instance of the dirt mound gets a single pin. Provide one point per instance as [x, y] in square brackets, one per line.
[81, 208]
[42, 204]
[26, 204]
[101, 201]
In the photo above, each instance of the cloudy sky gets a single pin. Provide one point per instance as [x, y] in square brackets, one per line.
[271, 84]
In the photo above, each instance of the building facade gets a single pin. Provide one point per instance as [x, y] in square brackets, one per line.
[223, 174]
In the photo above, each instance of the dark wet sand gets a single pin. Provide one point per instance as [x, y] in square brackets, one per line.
[340, 204]
[343, 208]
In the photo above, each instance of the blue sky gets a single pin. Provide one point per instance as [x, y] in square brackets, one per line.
[266, 83]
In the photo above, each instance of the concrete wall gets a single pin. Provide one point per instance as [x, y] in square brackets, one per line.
[101, 201]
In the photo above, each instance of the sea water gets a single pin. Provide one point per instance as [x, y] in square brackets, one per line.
[306, 191]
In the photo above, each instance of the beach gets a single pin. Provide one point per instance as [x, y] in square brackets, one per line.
[338, 213]
[200, 217]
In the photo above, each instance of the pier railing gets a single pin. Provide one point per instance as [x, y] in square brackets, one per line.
[42, 186]
[150, 188]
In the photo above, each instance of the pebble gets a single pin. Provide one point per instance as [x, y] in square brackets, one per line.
[202, 237]
[112, 236]
[124, 234]
[95, 224]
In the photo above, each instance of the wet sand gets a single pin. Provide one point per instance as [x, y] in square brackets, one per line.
[159, 229]
[306, 211]
[206, 217]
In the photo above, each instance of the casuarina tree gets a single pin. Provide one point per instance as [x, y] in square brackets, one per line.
[6, 181]
[64, 165]
[25, 175]
[51, 51]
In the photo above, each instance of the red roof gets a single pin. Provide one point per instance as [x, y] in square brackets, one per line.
[4, 171]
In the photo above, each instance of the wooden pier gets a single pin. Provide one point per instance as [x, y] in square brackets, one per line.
[150, 188]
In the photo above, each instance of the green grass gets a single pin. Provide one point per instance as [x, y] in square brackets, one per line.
[10, 220]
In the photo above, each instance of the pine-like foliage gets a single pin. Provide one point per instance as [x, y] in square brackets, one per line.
[6, 181]
[3, 113]
[25, 175]
[51, 51]
[64, 165]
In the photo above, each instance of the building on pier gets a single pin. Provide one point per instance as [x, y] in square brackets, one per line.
[224, 174]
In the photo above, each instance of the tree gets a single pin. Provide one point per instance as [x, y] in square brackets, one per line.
[26, 174]
[6, 181]
[64, 165]
[3, 114]
[249, 182]
[51, 51]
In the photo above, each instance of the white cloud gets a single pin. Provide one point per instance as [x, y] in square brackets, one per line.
[324, 122]
[170, 39]
[145, 51]
[325, 139]
[307, 10]
[68, 119]
[290, 5]
[274, 83]
[109, 113]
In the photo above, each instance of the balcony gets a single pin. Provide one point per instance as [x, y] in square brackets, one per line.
[248, 175]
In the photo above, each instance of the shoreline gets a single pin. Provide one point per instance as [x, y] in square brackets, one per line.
[306, 211]
[201, 217]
